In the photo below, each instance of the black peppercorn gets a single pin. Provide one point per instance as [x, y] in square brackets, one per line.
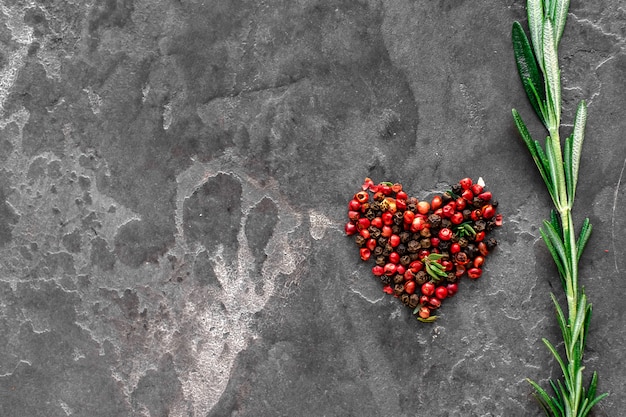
[398, 279]
[378, 250]
[401, 249]
[435, 220]
[414, 300]
[413, 246]
[480, 225]
[405, 260]
[405, 299]
[421, 277]
[491, 243]
[398, 289]
[360, 240]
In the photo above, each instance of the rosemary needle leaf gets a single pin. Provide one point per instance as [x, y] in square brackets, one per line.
[578, 136]
[527, 69]
[562, 321]
[583, 238]
[535, 23]
[551, 70]
[560, 16]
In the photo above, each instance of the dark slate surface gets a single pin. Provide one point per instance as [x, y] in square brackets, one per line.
[173, 186]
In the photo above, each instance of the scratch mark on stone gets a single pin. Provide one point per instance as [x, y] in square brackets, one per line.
[366, 298]
[615, 195]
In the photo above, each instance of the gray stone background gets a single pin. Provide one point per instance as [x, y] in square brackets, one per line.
[174, 182]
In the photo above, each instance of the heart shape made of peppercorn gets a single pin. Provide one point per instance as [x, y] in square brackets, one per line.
[421, 249]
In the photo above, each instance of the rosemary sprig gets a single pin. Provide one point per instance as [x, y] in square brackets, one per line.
[537, 64]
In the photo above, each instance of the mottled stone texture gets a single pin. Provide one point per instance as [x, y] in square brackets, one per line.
[173, 186]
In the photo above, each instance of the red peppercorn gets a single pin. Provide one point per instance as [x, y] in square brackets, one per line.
[428, 288]
[467, 195]
[476, 189]
[386, 231]
[384, 189]
[394, 258]
[387, 218]
[460, 204]
[354, 215]
[476, 215]
[466, 183]
[361, 197]
[457, 217]
[474, 273]
[419, 223]
[441, 292]
[365, 254]
[354, 205]
[401, 195]
[409, 287]
[452, 289]
[371, 244]
[448, 209]
[377, 222]
[387, 289]
[408, 217]
[423, 253]
[480, 236]
[408, 275]
[390, 269]
[436, 202]
[396, 188]
[416, 266]
[400, 204]
[486, 196]
[434, 302]
[482, 247]
[424, 312]
[499, 220]
[350, 228]
[424, 300]
[460, 270]
[488, 211]
[378, 270]
[479, 261]
[434, 241]
[394, 240]
[447, 265]
[423, 207]
[365, 233]
[367, 184]
[363, 223]
[401, 269]
[445, 234]
[455, 248]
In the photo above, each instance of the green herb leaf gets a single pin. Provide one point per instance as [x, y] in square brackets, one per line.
[583, 238]
[560, 316]
[567, 165]
[559, 18]
[536, 151]
[527, 69]
[552, 72]
[546, 402]
[578, 136]
[535, 24]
